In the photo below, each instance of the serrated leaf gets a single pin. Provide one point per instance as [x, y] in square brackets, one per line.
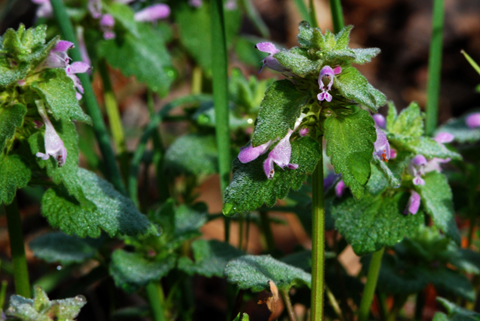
[336, 57]
[408, 123]
[342, 38]
[250, 188]
[455, 312]
[459, 129]
[377, 182]
[278, 112]
[426, 146]
[58, 92]
[437, 201]
[296, 61]
[392, 179]
[132, 271]
[350, 145]
[374, 222]
[23, 44]
[253, 273]
[353, 85]
[144, 57]
[42, 309]
[112, 212]
[364, 55]
[11, 117]
[59, 247]
[10, 74]
[179, 160]
[210, 258]
[305, 33]
[14, 174]
[451, 282]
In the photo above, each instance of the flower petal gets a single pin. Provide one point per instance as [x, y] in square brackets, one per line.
[153, 13]
[78, 67]
[107, 21]
[267, 47]
[413, 203]
[444, 137]
[250, 153]
[63, 45]
[379, 120]
[473, 120]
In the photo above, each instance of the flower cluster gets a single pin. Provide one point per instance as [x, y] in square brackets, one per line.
[325, 82]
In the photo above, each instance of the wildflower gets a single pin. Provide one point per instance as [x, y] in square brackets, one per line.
[304, 131]
[77, 68]
[53, 143]
[231, 5]
[270, 61]
[444, 137]
[379, 120]
[58, 57]
[329, 180]
[434, 163]
[106, 24]
[95, 8]
[326, 79]
[473, 120]
[45, 9]
[195, 3]
[153, 13]
[413, 203]
[393, 153]
[340, 188]
[416, 168]
[280, 155]
[381, 146]
[249, 153]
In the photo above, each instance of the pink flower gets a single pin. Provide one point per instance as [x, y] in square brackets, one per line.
[53, 143]
[340, 188]
[444, 138]
[381, 146]
[106, 24]
[413, 203]
[416, 168]
[195, 3]
[95, 8]
[270, 61]
[379, 120]
[77, 68]
[153, 13]
[250, 153]
[473, 120]
[304, 131]
[45, 9]
[325, 82]
[58, 57]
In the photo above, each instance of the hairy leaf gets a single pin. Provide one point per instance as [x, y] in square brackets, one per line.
[426, 146]
[364, 55]
[296, 61]
[10, 118]
[408, 123]
[459, 129]
[14, 174]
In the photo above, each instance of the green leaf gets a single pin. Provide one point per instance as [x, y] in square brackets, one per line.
[437, 202]
[10, 74]
[132, 271]
[59, 247]
[144, 57]
[296, 61]
[374, 222]
[459, 129]
[408, 123]
[42, 309]
[124, 15]
[253, 273]
[58, 92]
[305, 34]
[23, 44]
[279, 110]
[242, 317]
[464, 259]
[377, 183]
[426, 146]
[350, 145]
[353, 85]
[455, 312]
[364, 55]
[179, 160]
[451, 282]
[250, 188]
[392, 178]
[14, 174]
[10, 118]
[112, 212]
[342, 38]
[210, 258]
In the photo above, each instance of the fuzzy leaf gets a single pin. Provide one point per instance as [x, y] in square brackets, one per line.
[9, 73]
[179, 160]
[58, 92]
[462, 133]
[132, 271]
[144, 57]
[437, 202]
[253, 272]
[210, 258]
[279, 110]
[342, 38]
[408, 123]
[112, 212]
[250, 188]
[10, 118]
[364, 55]
[14, 174]
[59, 247]
[296, 61]
[350, 145]
[374, 222]
[426, 146]
[305, 33]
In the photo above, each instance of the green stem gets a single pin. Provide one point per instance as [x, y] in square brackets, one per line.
[369, 291]
[220, 97]
[434, 66]
[471, 61]
[288, 305]
[255, 17]
[313, 14]
[196, 80]
[318, 241]
[111, 169]
[3, 294]
[114, 119]
[334, 303]
[155, 298]
[302, 8]
[337, 15]
[17, 247]
[267, 230]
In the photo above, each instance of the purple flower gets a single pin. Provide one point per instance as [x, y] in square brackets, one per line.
[416, 168]
[270, 61]
[325, 82]
[53, 143]
[413, 203]
[379, 120]
[329, 180]
[279, 155]
[340, 188]
[249, 153]
[95, 8]
[45, 9]
[195, 3]
[77, 68]
[106, 24]
[304, 131]
[473, 120]
[444, 137]
[381, 146]
[153, 13]
[58, 58]
[231, 5]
